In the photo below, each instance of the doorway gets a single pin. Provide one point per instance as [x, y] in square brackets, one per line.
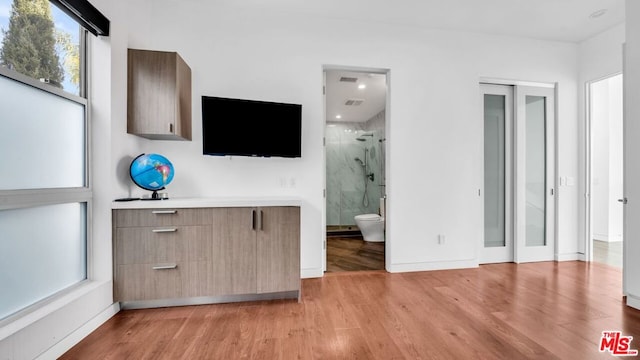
[519, 171]
[605, 171]
[355, 168]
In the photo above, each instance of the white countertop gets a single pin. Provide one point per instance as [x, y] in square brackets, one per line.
[207, 202]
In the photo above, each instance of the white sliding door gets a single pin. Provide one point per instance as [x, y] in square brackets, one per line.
[535, 174]
[519, 172]
[497, 189]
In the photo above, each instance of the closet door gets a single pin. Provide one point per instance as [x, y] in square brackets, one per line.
[497, 190]
[535, 174]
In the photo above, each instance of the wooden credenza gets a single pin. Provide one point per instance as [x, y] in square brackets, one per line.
[181, 256]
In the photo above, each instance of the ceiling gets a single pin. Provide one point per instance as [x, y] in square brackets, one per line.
[555, 20]
[559, 20]
[357, 98]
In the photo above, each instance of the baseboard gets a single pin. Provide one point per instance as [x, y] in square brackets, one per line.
[601, 237]
[72, 339]
[434, 265]
[568, 257]
[633, 302]
[582, 257]
[311, 273]
[202, 300]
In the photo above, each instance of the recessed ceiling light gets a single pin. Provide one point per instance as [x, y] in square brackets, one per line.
[362, 86]
[338, 116]
[597, 14]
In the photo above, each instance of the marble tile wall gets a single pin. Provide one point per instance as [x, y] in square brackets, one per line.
[346, 176]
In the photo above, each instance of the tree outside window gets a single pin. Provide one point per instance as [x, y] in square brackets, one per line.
[40, 41]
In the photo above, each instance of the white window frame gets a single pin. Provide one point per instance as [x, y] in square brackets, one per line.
[29, 198]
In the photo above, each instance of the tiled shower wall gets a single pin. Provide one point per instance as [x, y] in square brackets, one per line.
[345, 176]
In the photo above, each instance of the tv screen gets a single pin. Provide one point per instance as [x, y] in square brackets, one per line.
[250, 128]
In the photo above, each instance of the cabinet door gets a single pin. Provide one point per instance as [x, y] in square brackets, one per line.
[278, 249]
[158, 95]
[234, 251]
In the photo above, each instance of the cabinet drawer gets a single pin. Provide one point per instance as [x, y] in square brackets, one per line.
[149, 281]
[161, 217]
[158, 244]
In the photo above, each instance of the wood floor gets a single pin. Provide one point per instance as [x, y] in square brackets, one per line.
[499, 311]
[353, 254]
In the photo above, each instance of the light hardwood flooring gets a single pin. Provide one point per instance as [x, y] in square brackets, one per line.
[500, 311]
[353, 254]
[609, 253]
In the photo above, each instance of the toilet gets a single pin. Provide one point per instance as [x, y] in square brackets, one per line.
[371, 226]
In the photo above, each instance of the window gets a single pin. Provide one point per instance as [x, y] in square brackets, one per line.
[45, 192]
[42, 42]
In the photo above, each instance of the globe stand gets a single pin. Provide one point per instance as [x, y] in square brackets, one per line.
[155, 196]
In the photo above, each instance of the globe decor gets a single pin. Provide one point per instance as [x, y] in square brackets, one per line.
[151, 172]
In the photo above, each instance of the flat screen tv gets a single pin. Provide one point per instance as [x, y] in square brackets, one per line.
[237, 127]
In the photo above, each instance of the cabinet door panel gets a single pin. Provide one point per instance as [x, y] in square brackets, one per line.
[199, 279]
[234, 251]
[279, 249]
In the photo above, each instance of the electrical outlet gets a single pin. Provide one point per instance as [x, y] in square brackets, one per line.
[441, 239]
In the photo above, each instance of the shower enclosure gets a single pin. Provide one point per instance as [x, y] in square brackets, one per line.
[355, 171]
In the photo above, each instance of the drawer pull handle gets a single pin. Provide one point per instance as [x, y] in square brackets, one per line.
[253, 219]
[161, 212]
[165, 267]
[164, 230]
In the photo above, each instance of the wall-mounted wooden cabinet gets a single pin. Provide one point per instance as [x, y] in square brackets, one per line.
[159, 95]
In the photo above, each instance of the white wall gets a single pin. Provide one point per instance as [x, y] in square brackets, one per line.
[599, 57]
[434, 138]
[435, 130]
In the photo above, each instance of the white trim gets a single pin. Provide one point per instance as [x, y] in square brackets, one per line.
[433, 265]
[43, 309]
[569, 257]
[588, 218]
[75, 337]
[387, 176]
[311, 273]
[358, 69]
[498, 81]
[633, 302]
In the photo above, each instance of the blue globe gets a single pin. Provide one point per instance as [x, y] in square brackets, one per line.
[151, 171]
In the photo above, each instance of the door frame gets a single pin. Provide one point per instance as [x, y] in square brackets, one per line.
[388, 177]
[588, 141]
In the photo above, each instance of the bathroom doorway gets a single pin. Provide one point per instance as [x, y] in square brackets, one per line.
[355, 159]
